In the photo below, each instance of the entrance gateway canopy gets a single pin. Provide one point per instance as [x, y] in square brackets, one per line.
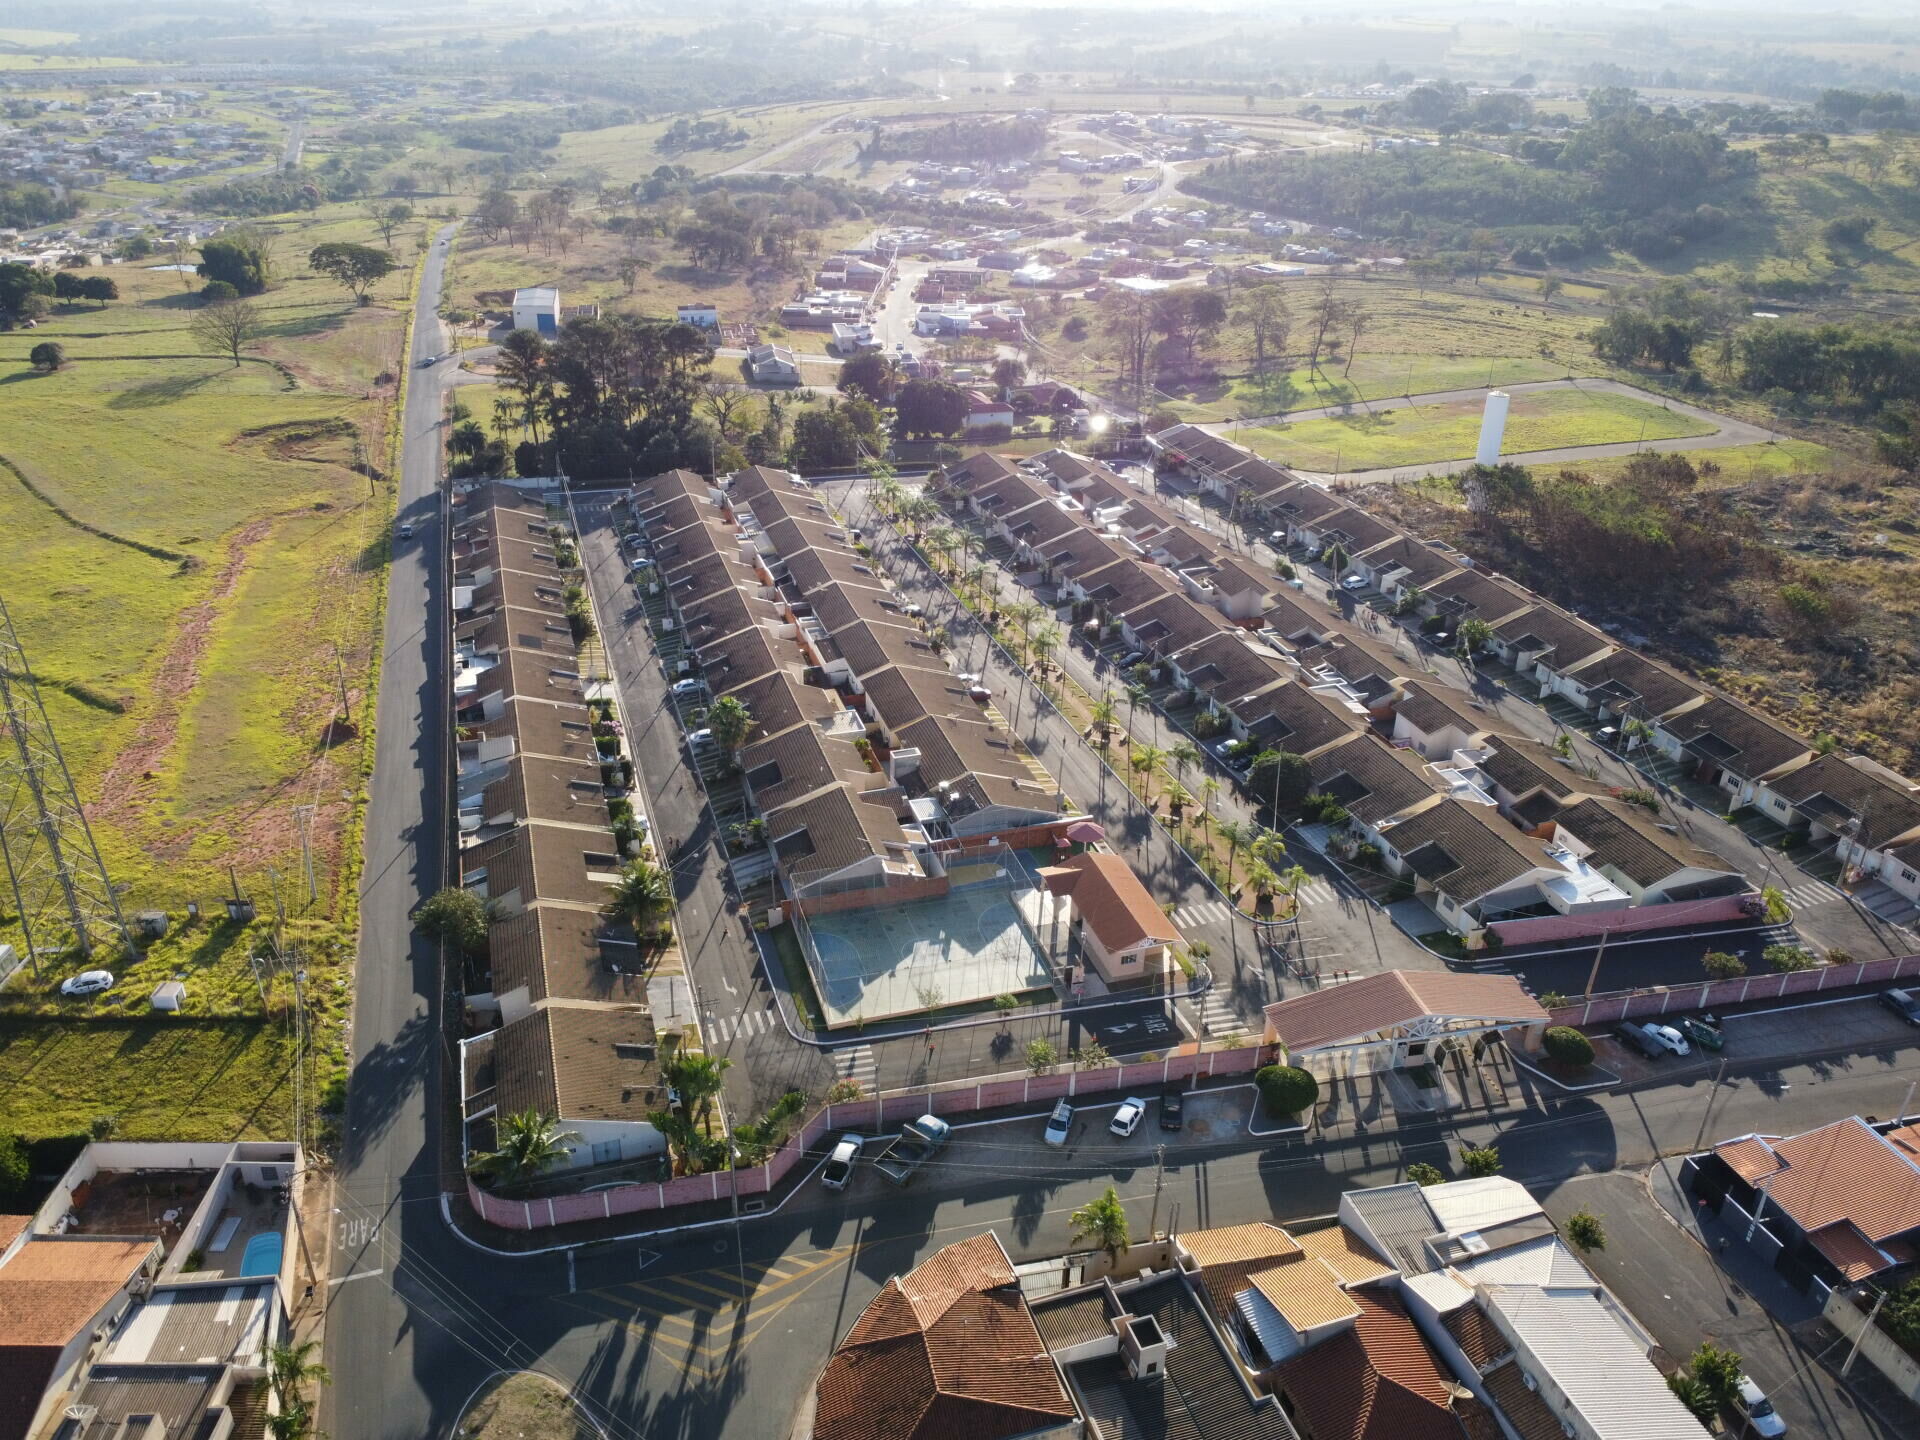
[1407, 1003]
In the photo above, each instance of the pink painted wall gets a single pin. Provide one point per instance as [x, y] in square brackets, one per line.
[1540, 929]
[1709, 995]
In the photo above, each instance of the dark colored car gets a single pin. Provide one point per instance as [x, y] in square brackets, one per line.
[1904, 1003]
[1173, 1110]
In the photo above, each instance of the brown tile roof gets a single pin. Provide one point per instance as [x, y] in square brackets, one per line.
[1078, 554]
[1627, 681]
[538, 727]
[1408, 561]
[1375, 1381]
[1623, 837]
[948, 1351]
[1345, 1253]
[543, 632]
[1565, 640]
[1848, 1251]
[1836, 789]
[579, 1063]
[12, 1227]
[659, 487]
[1306, 1292]
[1395, 997]
[535, 787]
[1291, 716]
[1236, 1244]
[1289, 619]
[1751, 1158]
[1126, 584]
[52, 1287]
[1039, 526]
[1370, 778]
[780, 701]
[710, 575]
[1110, 898]
[1840, 1172]
[1357, 529]
[1476, 1334]
[1429, 710]
[828, 831]
[563, 954]
[1521, 766]
[978, 470]
[1531, 1417]
[1464, 849]
[546, 863]
[797, 762]
[1226, 666]
[724, 612]
[1473, 594]
[903, 695]
[742, 656]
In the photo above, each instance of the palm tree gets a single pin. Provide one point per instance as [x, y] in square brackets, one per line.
[1104, 1222]
[1176, 794]
[291, 1369]
[731, 723]
[1145, 759]
[528, 1143]
[1105, 715]
[1137, 695]
[976, 580]
[1291, 879]
[1209, 797]
[1023, 614]
[888, 495]
[1234, 832]
[642, 894]
[1260, 877]
[699, 1079]
[1186, 755]
[1267, 845]
[1045, 641]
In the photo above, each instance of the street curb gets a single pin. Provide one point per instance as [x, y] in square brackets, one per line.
[1562, 1085]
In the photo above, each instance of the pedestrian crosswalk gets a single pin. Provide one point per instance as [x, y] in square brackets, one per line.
[1808, 893]
[1218, 912]
[857, 1063]
[1218, 1018]
[725, 1029]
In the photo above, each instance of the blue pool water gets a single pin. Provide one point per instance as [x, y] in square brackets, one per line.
[262, 1256]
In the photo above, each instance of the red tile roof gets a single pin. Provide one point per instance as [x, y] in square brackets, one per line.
[1109, 896]
[1395, 997]
[49, 1291]
[1848, 1251]
[1843, 1172]
[1375, 1381]
[948, 1351]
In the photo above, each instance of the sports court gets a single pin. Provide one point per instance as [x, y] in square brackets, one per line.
[967, 946]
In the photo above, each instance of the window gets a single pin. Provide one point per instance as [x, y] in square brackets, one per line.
[606, 1152]
[599, 860]
[1908, 875]
[1129, 959]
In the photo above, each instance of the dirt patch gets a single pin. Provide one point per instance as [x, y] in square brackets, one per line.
[125, 785]
[525, 1407]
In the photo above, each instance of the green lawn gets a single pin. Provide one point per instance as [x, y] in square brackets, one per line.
[1542, 420]
[159, 1077]
[1742, 464]
[1373, 377]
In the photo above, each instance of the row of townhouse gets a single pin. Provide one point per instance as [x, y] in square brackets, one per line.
[564, 1020]
[1450, 1313]
[1869, 815]
[1484, 825]
[872, 765]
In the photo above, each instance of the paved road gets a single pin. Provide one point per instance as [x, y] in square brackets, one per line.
[391, 1368]
[1726, 431]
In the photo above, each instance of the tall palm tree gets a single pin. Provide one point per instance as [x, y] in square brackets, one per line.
[1146, 759]
[642, 895]
[291, 1368]
[526, 1144]
[699, 1079]
[1235, 833]
[1260, 878]
[1186, 755]
[1104, 1222]
[1267, 845]
[976, 580]
[1291, 879]
[1105, 714]
[1209, 796]
[1176, 795]
[731, 723]
[1137, 695]
[1044, 641]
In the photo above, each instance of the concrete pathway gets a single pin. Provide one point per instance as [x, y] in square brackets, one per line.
[1726, 432]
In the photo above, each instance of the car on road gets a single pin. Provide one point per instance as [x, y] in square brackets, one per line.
[1701, 1032]
[1750, 1402]
[405, 532]
[979, 692]
[913, 611]
[1173, 1110]
[87, 982]
[1127, 1118]
[1353, 582]
[1278, 539]
[427, 362]
[838, 1170]
[1059, 1125]
[700, 740]
[684, 688]
[1668, 1039]
[1904, 1003]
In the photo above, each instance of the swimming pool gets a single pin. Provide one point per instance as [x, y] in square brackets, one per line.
[262, 1256]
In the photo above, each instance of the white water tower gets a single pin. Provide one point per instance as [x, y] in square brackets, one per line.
[1493, 428]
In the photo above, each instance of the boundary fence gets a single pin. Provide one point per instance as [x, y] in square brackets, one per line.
[1709, 994]
[878, 1114]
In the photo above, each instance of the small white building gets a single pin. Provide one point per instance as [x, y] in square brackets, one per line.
[772, 365]
[537, 308]
[701, 314]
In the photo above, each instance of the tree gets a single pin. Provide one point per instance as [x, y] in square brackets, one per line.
[1774, 902]
[527, 1144]
[1495, 489]
[699, 1079]
[1480, 1163]
[1105, 715]
[872, 374]
[1009, 373]
[15, 1165]
[1900, 1313]
[1004, 1006]
[1567, 1045]
[642, 895]
[23, 293]
[387, 217]
[357, 267]
[929, 408]
[226, 327]
[1280, 778]
[1692, 1394]
[455, 916]
[1263, 310]
[47, 357]
[99, 288]
[216, 292]
[1474, 636]
[291, 1368]
[1784, 958]
[1423, 1174]
[1286, 1089]
[1186, 755]
[1719, 965]
[823, 439]
[731, 723]
[1357, 318]
[242, 256]
[1104, 1222]
[1585, 1230]
[1719, 1370]
[1041, 1055]
[1328, 312]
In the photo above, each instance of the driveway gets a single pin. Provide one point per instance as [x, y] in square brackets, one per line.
[1682, 1297]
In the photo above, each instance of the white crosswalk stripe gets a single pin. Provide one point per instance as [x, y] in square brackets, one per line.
[1203, 912]
[724, 1029]
[1809, 893]
[857, 1063]
[1219, 1016]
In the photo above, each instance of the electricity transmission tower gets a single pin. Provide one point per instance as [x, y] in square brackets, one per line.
[59, 882]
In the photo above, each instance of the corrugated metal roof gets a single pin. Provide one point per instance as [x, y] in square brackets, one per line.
[1574, 1340]
[1546, 1261]
[1401, 1220]
[1276, 1338]
[1478, 1204]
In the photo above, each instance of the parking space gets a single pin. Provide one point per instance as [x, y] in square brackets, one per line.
[1754, 1039]
[1132, 1029]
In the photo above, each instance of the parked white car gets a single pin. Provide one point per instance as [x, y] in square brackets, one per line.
[1127, 1118]
[1669, 1039]
[87, 982]
[684, 688]
[838, 1170]
[1754, 1406]
[1059, 1125]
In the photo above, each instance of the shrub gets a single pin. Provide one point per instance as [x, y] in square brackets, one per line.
[1421, 1173]
[14, 1169]
[1480, 1163]
[1567, 1045]
[1553, 1000]
[1584, 1229]
[455, 916]
[1041, 1056]
[1782, 958]
[1287, 1090]
[1719, 965]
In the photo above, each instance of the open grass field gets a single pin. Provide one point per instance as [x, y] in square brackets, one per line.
[1541, 420]
[194, 567]
[1373, 377]
[525, 1407]
[1743, 464]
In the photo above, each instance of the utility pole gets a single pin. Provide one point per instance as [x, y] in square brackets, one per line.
[1712, 1095]
[340, 675]
[1159, 1175]
[1861, 1333]
[1593, 975]
[303, 819]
